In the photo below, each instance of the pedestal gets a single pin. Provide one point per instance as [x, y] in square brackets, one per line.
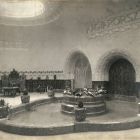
[25, 99]
[3, 112]
[51, 93]
[80, 114]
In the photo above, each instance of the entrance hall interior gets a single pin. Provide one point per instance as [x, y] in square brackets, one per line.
[55, 54]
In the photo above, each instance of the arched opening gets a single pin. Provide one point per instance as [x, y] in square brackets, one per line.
[82, 73]
[78, 65]
[122, 78]
[108, 58]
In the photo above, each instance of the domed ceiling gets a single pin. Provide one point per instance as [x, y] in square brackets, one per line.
[38, 12]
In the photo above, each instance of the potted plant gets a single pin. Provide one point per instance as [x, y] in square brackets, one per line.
[25, 98]
[80, 112]
[4, 109]
[51, 92]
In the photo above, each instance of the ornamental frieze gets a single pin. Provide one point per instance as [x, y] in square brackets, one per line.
[113, 24]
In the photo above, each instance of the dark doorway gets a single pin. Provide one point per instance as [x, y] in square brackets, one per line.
[122, 78]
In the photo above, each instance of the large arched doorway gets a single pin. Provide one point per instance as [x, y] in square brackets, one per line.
[122, 78]
[78, 65]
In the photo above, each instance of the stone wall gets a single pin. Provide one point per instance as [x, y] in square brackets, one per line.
[48, 46]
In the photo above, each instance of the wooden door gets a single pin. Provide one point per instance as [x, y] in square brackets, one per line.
[122, 78]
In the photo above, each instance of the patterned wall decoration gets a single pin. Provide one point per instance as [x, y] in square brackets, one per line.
[38, 74]
[120, 23]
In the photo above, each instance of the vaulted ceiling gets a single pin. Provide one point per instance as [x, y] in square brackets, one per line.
[38, 12]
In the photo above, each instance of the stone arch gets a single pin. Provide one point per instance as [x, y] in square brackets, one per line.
[78, 68]
[106, 60]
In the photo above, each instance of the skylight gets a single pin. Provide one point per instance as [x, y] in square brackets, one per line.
[21, 8]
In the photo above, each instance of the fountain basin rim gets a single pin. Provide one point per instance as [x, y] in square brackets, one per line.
[130, 123]
[122, 124]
